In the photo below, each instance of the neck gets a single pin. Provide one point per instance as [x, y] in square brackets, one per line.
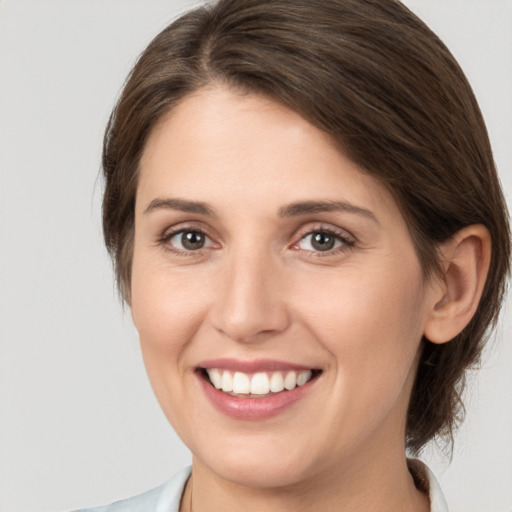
[376, 486]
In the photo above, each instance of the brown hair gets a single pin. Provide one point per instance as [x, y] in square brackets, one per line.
[387, 90]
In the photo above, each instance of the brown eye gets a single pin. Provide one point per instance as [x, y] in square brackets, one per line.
[321, 241]
[189, 240]
[192, 240]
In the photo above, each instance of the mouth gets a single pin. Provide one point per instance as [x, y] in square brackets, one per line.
[255, 390]
[260, 384]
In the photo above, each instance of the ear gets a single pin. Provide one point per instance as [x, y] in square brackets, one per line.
[466, 258]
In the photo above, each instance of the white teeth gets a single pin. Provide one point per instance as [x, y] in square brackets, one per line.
[304, 377]
[276, 382]
[290, 381]
[261, 383]
[227, 382]
[215, 377]
[241, 383]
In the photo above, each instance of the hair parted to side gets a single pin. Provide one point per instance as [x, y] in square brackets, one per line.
[387, 90]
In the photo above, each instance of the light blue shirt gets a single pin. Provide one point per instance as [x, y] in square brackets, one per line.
[167, 497]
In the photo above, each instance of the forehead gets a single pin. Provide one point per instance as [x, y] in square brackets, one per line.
[219, 145]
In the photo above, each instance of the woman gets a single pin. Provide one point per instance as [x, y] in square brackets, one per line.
[306, 223]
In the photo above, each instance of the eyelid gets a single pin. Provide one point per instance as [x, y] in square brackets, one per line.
[327, 228]
[348, 240]
[171, 231]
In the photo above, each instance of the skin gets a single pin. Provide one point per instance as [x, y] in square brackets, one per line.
[260, 289]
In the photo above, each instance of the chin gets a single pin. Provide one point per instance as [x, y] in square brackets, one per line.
[258, 473]
[257, 462]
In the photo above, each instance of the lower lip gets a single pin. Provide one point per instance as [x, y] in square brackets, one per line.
[253, 408]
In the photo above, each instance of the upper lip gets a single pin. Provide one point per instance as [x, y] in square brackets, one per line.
[253, 366]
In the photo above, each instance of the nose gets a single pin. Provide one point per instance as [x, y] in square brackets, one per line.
[251, 305]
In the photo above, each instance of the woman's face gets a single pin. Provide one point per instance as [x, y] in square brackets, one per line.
[265, 258]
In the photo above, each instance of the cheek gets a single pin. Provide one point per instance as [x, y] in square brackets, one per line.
[373, 332]
[371, 322]
[166, 312]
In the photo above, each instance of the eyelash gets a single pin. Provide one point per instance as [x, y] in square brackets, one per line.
[346, 241]
[167, 236]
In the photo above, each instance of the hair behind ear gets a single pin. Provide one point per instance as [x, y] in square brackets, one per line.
[453, 339]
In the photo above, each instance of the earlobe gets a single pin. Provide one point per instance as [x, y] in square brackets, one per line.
[466, 259]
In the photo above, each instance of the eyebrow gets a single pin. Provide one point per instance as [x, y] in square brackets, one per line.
[308, 207]
[180, 205]
[290, 210]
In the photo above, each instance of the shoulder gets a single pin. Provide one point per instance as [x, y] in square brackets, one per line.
[164, 498]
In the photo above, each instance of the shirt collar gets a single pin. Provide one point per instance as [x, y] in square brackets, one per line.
[426, 481]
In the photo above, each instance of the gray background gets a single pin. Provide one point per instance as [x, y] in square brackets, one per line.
[78, 421]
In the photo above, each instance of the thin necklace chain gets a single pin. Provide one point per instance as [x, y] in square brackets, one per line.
[191, 488]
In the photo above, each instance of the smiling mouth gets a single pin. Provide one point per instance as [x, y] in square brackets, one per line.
[259, 384]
